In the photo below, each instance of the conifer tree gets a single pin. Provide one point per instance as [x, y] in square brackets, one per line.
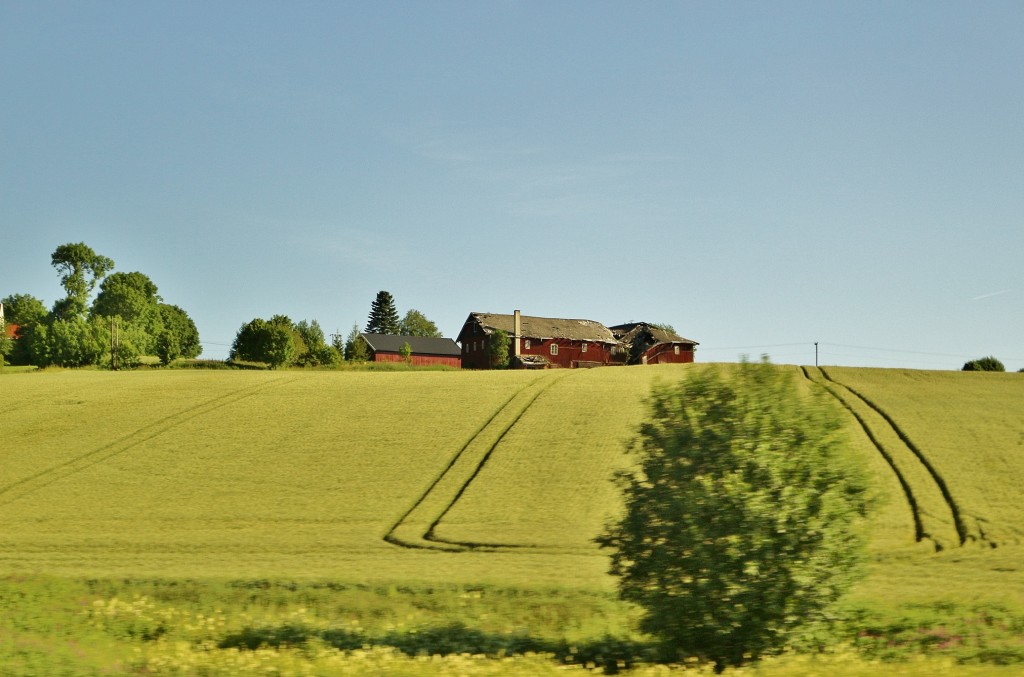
[383, 315]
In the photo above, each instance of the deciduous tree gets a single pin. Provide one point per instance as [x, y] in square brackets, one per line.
[415, 323]
[26, 312]
[265, 341]
[80, 268]
[740, 529]
[984, 364]
[182, 329]
[498, 347]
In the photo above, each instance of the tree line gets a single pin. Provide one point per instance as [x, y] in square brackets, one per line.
[126, 320]
[279, 342]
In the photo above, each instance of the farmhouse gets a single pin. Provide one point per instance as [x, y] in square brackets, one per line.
[649, 344]
[10, 330]
[538, 342]
[424, 351]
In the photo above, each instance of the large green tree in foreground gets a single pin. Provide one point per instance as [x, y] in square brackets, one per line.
[741, 527]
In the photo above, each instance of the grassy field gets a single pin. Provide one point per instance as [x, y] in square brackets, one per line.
[176, 521]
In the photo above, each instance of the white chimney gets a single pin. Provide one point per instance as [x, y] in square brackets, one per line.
[517, 332]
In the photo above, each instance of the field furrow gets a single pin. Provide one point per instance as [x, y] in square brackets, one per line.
[967, 429]
[933, 519]
[415, 529]
[547, 486]
[17, 488]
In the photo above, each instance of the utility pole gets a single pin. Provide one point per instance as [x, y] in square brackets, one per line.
[815, 353]
[113, 344]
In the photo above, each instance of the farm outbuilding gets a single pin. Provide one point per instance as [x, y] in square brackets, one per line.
[538, 342]
[10, 330]
[650, 344]
[425, 351]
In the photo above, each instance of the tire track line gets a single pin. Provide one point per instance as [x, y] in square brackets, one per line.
[947, 495]
[908, 493]
[20, 488]
[423, 541]
[391, 536]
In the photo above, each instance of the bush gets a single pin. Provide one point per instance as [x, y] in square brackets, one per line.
[741, 529]
[984, 364]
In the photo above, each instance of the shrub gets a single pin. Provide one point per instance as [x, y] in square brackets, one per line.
[984, 364]
[741, 525]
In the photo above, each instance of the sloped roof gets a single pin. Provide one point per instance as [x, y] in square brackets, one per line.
[421, 345]
[627, 333]
[545, 327]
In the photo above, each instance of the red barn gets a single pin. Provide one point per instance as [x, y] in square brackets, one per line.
[650, 344]
[538, 342]
[426, 351]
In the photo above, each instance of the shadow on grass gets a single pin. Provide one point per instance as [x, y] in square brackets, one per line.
[610, 653]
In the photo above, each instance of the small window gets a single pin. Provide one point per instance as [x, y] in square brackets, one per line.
[584, 347]
[526, 344]
[554, 348]
[677, 350]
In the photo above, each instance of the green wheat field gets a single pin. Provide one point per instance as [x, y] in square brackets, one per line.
[423, 523]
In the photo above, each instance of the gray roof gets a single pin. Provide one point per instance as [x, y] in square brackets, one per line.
[629, 331]
[546, 327]
[421, 345]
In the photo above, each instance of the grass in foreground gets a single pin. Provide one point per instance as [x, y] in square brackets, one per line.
[53, 626]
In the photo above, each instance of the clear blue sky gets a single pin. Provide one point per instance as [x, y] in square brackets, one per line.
[759, 175]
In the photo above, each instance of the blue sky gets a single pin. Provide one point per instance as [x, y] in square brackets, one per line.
[759, 175]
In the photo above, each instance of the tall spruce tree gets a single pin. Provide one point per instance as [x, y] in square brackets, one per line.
[383, 315]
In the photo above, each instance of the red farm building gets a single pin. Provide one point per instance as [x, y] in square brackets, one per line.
[9, 330]
[538, 342]
[650, 344]
[425, 351]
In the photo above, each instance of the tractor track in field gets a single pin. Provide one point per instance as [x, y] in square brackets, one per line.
[17, 489]
[955, 514]
[462, 469]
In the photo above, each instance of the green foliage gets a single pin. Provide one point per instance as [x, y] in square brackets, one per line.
[498, 346]
[406, 352]
[66, 337]
[383, 317]
[984, 364]
[356, 349]
[80, 268]
[73, 342]
[182, 330]
[23, 310]
[132, 297]
[415, 323]
[740, 528]
[265, 341]
[26, 312]
[315, 350]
